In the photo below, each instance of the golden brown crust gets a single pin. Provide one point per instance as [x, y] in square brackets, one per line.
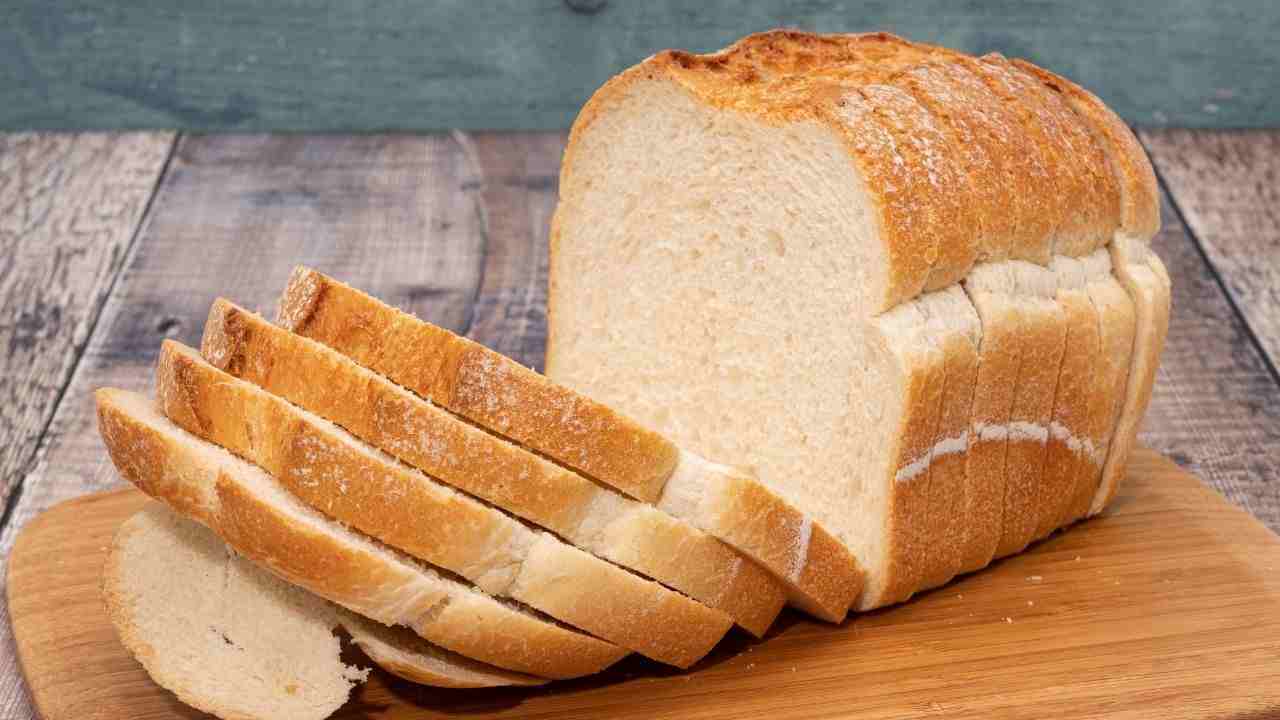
[1116, 330]
[999, 353]
[1054, 164]
[910, 531]
[823, 576]
[405, 509]
[1147, 283]
[1140, 272]
[1042, 334]
[1092, 222]
[1070, 454]
[377, 411]
[1135, 178]
[165, 464]
[479, 384]
[985, 137]
[948, 485]
[933, 204]
[402, 653]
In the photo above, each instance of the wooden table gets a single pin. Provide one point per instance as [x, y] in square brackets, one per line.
[110, 242]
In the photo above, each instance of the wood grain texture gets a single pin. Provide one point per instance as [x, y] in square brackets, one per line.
[521, 177]
[233, 214]
[1215, 409]
[69, 207]
[520, 65]
[1227, 186]
[1163, 607]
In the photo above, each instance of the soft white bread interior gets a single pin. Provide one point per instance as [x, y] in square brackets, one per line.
[366, 489]
[737, 249]
[232, 639]
[630, 533]
[260, 520]
[820, 574]
[218, 632]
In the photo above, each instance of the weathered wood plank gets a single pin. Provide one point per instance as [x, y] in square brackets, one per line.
[514, 64]
[521, 172]
[69, 207]
[1227, 185]
[1216, 407]
[396, 214]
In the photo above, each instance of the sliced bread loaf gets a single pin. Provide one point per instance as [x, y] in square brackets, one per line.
[633, 534]
[805, 193]
[821, 575]
[264, 523]
[362, 487]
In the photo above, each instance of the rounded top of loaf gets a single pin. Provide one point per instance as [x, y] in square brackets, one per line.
[947, 146]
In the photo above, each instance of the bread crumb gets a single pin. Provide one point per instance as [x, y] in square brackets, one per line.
[1009, 620]
[1034, 578]
[1077, 558]
[1031, 603]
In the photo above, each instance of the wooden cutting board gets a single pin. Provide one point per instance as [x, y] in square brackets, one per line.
[1166, 606]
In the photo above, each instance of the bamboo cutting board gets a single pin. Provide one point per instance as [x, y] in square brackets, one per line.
[1167, 606]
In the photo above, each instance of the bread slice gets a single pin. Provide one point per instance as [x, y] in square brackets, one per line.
[1042, 335]
[1075, 433]
[633, 534]
[910, 554]
[222, 635]
[267, 525]
[362, 487]
[405, 654]
[1116, 334]
[992, 289]
[821, 575]
[230, 638]
[959, 334]
[1139, 270]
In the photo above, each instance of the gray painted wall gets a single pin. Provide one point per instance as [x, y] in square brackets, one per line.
[313, 65]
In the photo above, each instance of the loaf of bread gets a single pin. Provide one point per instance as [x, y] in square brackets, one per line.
[910, 288]
[906, 294]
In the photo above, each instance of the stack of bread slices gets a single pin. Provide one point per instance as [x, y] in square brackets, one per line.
[468, 522]
[912, 289]
[906, 293]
